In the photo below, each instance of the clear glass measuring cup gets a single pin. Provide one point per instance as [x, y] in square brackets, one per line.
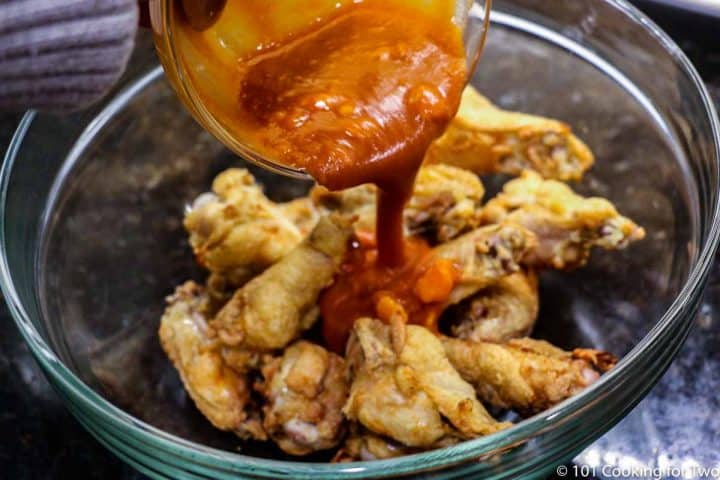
[229, 29]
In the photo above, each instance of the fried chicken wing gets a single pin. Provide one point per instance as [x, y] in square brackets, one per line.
[384, 395]
[503, 311]
[567, 225]
[524, 374]
[485, 255]
[444, 203]
[454, 397]
[306, 389]
[302, 212]
[485, 139]
[237, 231]
[404, 388]
[274, 307]
[220, 393]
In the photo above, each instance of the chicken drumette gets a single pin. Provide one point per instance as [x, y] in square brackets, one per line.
[485, 256]
[273, 308]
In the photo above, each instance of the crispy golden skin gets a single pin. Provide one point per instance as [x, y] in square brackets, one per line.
[485, 255]
[445, 203]
[454, 397]
[303, 213]
[485, 139]
[273, 308]
[524, 374]
[237, 231]
[567, 225]
[305, 389]
[219, 392]
[503, 311]
[384, 396]
[403, 387]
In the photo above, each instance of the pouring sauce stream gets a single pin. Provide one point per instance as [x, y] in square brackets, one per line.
[355, 98]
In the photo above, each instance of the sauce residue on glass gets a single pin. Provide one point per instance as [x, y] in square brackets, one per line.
[356, 97]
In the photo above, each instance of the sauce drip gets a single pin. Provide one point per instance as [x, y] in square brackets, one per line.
[420, 286]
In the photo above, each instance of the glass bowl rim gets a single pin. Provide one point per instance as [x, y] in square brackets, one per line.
[112, 415]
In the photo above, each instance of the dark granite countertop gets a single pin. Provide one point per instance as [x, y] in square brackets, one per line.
[677, 422]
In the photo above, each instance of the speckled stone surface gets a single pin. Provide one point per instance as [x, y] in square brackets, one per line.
[677, 424]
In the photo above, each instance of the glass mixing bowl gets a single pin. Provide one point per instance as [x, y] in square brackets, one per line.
[91, 241]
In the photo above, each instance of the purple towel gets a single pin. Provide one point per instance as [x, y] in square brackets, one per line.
[62, 55]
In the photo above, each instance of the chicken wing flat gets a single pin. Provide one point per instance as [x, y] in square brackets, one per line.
[274, 307]
[567, 225]
[444, 204]
[524, 374]
[237, 231]
[220, 393]
[485, 255]
[306, 389]
[485, 139]
[501, 312]
[455, 398]
[405, 395]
